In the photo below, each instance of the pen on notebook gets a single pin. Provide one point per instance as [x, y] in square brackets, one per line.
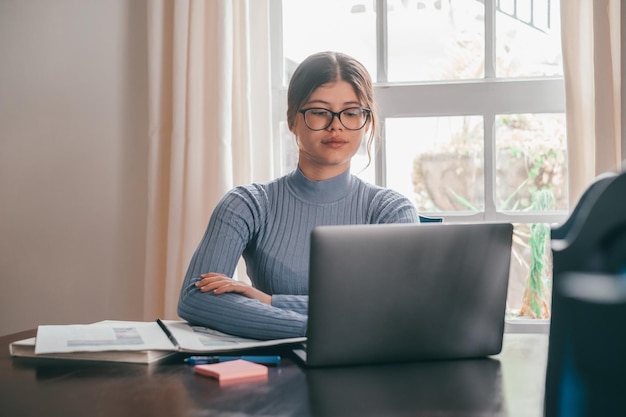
[266, 360]
[167, 332]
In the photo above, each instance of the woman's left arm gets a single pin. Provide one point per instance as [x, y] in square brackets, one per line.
[392, 207]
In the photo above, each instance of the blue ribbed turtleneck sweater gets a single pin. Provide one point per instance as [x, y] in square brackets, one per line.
[270, 225]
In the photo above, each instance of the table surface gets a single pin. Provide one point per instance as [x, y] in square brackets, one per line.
[509, 384]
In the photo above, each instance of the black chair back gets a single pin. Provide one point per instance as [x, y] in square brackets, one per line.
[593, 243]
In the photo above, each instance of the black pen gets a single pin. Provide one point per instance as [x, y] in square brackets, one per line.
[167, 332]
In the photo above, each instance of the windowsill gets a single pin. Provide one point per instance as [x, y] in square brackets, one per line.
[541, 326]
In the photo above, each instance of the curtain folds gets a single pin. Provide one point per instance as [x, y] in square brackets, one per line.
[209, 114]
[590, 33]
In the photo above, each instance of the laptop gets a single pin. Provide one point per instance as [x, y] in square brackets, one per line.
[406, 292]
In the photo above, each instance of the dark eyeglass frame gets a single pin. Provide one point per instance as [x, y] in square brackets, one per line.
[338, 114]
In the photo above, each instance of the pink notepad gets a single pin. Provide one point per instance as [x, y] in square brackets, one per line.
[233, 371]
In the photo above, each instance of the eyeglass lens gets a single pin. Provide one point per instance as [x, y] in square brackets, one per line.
[353, 118]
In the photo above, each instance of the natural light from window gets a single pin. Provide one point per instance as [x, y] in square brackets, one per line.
[472, 98]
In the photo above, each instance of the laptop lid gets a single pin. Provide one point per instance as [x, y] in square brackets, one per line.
[406, 292]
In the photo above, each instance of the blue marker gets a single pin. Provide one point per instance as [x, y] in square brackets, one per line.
[199, 360]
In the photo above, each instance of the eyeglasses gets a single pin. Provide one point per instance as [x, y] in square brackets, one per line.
[352, 118]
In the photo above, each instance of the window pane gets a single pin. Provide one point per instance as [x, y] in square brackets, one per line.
[363, 165]
[528, 38]
[347, 26]
[437, 162]
[288, 149]
[531, 162]
[435, 40]
[530, 279]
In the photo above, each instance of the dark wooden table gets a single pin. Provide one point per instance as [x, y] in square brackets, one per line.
[509, 384]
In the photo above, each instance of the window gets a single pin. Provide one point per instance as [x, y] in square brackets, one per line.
[471, 96]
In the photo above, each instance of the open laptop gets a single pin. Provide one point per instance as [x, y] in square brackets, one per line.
[406, 292]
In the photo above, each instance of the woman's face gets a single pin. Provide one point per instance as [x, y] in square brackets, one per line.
[327, 153]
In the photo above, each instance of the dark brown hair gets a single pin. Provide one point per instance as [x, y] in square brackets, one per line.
[326, 67]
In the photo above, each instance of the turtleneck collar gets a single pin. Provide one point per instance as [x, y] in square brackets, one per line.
[320, 192]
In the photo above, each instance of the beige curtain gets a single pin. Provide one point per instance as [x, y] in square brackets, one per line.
[591, 62]
[210, 126]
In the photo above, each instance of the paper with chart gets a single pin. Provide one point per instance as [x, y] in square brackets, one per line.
[137, 335]
[102, 336]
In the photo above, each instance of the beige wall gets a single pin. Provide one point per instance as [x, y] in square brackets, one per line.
[73, 161]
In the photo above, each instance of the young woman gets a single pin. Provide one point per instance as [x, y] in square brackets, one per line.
[330, 110]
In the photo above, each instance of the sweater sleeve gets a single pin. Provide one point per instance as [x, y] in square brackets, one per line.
[389, 206]
[297, 303]
[233, 224]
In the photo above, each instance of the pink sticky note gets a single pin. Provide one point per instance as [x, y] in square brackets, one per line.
[233, 370]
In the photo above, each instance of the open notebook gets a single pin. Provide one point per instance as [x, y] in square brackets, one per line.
[131, 341]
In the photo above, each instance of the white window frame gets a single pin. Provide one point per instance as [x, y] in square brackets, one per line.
[485, 97]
